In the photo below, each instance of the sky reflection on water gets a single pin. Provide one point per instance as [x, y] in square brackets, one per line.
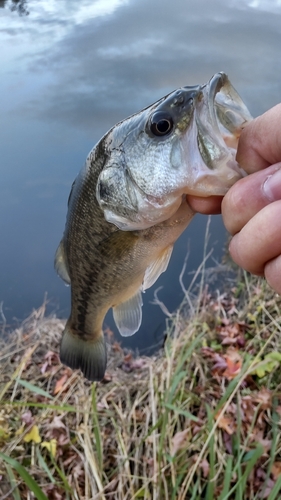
[69, 71]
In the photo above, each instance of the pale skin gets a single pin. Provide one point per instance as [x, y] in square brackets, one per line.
[251, 209]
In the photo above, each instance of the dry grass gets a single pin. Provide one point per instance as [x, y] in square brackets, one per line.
[198, 420]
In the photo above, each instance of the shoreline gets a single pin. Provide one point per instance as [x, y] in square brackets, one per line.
[163, 426]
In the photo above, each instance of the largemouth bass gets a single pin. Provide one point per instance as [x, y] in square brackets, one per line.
[127, 207]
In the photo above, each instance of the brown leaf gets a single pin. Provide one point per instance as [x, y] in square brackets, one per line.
[220, 364]
[276, 470]
[234, 363]
[53, 492]
[264, 397]
[227, 423]
[179, 441]
[265, 490]
[247, 409]
[60, 384]
[205, 466]
[227, 442]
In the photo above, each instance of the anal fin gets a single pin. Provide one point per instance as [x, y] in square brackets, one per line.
[128, 315]
[157, 267]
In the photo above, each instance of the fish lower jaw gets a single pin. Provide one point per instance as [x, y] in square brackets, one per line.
[215, 183]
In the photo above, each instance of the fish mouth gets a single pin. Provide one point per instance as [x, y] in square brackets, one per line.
[220, 118]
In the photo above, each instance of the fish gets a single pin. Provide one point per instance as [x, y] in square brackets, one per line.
[128, 206]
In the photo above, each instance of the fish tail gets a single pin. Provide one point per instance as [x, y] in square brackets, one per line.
[88, 356]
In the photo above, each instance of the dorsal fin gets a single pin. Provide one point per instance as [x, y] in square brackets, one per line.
[157, 267]
[128, 315]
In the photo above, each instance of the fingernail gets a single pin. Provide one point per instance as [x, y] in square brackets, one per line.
[272, 186]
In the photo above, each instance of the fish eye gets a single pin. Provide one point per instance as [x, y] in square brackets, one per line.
[161, 123]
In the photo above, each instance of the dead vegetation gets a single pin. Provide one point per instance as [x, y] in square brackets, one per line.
[201, 419]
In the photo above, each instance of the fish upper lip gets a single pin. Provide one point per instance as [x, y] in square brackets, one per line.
[216, 83]
[212, 88]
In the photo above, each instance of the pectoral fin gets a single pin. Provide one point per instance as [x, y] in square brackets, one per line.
[157, 267]
[60, 264]
[128, 315]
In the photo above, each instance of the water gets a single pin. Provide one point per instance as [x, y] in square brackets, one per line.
[69, 71]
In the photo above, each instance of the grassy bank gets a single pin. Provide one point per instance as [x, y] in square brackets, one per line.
[201, 420]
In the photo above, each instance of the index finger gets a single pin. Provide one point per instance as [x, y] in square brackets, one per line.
[260, 142]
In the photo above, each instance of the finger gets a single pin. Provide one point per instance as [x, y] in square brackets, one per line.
[208, 206]
[249, 195]
[260, 142]
[259, 241]
[272, 272]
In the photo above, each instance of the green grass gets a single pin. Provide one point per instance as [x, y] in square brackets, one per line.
[199, 420]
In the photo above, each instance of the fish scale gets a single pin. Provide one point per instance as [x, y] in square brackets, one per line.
[127, 207]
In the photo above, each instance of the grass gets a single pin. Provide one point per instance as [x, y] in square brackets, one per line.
[198, 420]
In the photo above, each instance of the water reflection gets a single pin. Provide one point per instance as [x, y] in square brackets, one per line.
[20, 6]
[69, 71]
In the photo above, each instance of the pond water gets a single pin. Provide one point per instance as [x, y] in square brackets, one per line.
[69, 71]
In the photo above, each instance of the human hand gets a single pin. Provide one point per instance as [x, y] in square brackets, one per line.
[251, 209]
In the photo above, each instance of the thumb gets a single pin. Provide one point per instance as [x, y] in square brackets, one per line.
[260, 142]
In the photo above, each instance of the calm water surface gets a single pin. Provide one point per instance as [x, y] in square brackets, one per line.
[69, 71]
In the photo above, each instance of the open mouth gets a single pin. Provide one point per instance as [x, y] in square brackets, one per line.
[231, 112]
[220, 120]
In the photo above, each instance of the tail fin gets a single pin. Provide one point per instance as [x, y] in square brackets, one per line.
[89, 356]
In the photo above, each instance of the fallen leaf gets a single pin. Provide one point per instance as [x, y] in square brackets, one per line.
[179, 441]
[265, 489]
[276, 470]
[53, 492]
[51, 446]
[205, 466]
[264, 397]
[27, 417]
[60, 384]
[234, 363]
[33, 435]
[220, 364]
[56, 423]
[227, 423]
[228, 442]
